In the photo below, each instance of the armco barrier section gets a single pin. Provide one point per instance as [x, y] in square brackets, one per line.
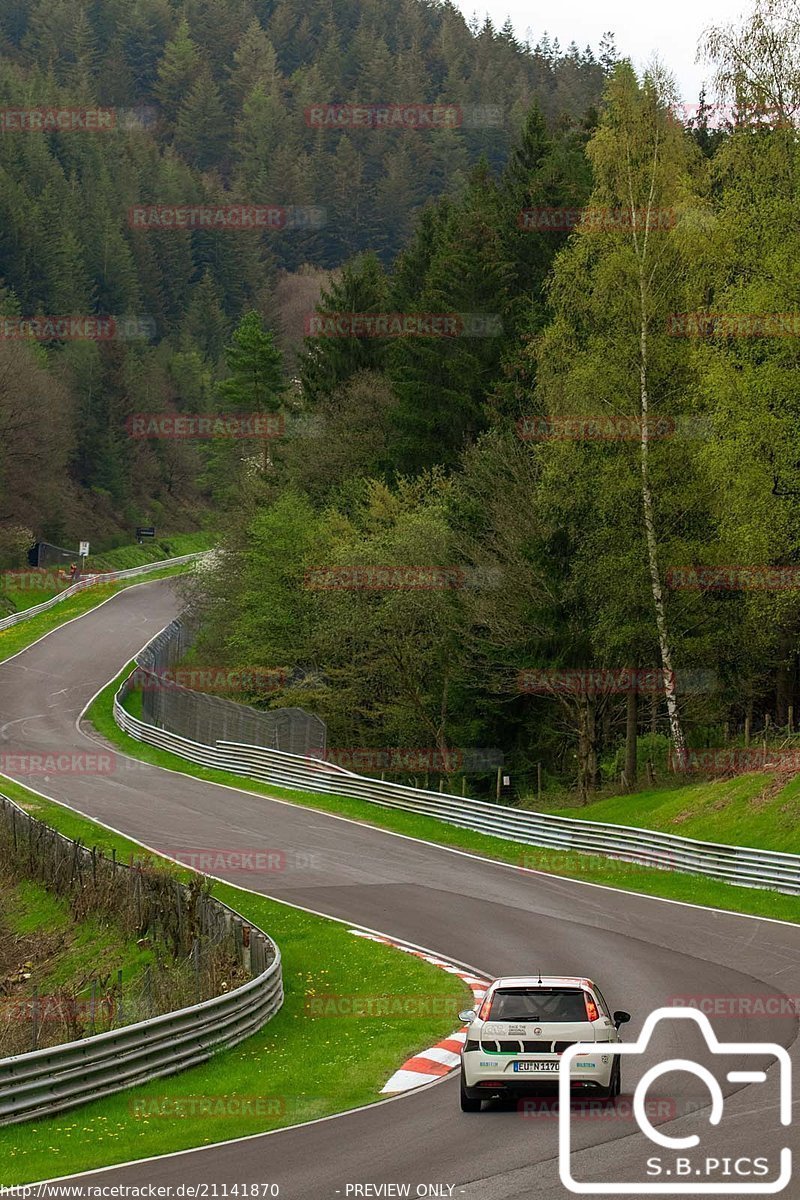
[56, 1078]
[645, 847]
[93, 581]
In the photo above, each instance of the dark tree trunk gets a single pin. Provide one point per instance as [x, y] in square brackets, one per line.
[784, 681]
[631, 730]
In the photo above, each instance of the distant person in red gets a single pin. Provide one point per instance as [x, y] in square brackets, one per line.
[74, 572]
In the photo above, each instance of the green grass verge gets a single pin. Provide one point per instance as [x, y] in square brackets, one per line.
[13, 599]
[296, 1069]
[86, 948]
[744, 811]
[172, 545]
[18, 637]
[670, 885]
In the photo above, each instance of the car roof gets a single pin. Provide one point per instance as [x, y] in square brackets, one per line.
[543, 981]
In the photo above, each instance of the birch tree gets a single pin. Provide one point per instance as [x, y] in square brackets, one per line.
[609, 353]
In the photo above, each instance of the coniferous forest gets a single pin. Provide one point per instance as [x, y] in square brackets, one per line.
[209, 103]
[600, 456]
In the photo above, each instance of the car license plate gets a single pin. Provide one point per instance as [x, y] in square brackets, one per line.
[549, 1066]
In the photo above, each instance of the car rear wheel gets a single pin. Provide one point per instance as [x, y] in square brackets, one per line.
[615, 1082]
[467, 1103]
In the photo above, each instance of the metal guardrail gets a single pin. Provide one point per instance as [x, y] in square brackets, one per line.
[738, 865]
[56, 1078]
[93, 581]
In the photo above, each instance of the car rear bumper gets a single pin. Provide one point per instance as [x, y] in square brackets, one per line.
[484, 1076]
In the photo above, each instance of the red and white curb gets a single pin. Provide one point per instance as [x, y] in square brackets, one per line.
[445, 1056]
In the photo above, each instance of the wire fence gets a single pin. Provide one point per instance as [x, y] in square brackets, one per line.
[54, 1079]
[204, 718]
[43, 554]
[191, 947]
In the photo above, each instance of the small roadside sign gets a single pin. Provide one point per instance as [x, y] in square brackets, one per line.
[84, 550]
[145, 531]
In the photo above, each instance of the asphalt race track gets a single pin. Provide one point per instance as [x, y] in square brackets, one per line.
[496, 918]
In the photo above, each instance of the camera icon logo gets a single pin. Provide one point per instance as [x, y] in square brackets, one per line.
[685, 1176]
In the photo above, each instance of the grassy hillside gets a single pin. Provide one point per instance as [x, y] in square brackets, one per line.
[172, 545]
[45, 952]
[750, 810]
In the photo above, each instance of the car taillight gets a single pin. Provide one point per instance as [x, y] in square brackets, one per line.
[591, 1008]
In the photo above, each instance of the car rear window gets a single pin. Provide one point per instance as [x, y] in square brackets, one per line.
[538, 1004]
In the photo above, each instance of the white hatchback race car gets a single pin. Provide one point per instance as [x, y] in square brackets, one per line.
[516, 1038]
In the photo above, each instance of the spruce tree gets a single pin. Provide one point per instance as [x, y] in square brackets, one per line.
[255, 381]
[177, 71]
[202, 128]
[330, 361]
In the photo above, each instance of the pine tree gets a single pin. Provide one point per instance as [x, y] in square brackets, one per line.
[79, 54]
[260, 131]
[255, 382]
[144, 27]
[329, 362]
[508, 36]
[608, 53]
[205, 324]
[177, 71]
[256, 64]
[442, 381]
[202, 126]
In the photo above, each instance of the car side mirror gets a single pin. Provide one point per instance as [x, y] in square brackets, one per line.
[468, 1016]
[621, 1018]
